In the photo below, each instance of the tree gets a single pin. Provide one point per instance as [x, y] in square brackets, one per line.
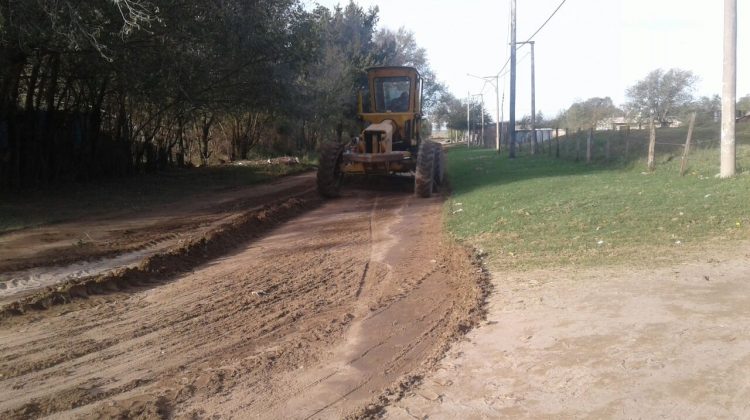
[90, 89]
[400, 48]
[743, 105]
[660, 95]
[589, 113]
[707, 109]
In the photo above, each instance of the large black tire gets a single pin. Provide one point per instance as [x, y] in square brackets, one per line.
[329, 169]
[439, 163]
[425, 175]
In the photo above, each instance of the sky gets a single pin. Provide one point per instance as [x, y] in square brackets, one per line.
[589, 48]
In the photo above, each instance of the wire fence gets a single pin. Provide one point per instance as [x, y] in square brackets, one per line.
[621, 144]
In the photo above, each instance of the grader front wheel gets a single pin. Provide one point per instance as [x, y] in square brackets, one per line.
[329, 169]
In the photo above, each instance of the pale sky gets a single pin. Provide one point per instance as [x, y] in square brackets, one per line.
[589, 48]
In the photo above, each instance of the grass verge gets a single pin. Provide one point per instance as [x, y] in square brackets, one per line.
[538, 211]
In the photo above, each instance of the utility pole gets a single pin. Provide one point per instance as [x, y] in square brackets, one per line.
[498, 121]
[729, 91]
[495, 82]
[481, 104]
[502, 117]
[481, 110]
[533, 98]
[512, 111]
[533, 102]
[468, 119]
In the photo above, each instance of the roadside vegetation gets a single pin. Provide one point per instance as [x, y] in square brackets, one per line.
[94, 90]
[133, 194]
[542, 211]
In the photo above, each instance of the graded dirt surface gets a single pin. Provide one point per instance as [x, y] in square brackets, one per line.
[670, 342]
[325, 315]
[37, 257]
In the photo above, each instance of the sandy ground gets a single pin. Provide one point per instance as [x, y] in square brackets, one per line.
[319, 318]
[669, 343]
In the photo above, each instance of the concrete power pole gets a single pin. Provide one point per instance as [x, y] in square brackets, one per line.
[468, 119]
[498, 121]
[533, 99]
[729, 91]
[512, 105]
[502, 117]
[495, 82]
[481, 112]
[533, 102]
[481, 98]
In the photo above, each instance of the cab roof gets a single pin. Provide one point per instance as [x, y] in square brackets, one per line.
[405, 68]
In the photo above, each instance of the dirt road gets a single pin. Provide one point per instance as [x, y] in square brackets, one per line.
[318, 318]
[38, 257]
[670, 342]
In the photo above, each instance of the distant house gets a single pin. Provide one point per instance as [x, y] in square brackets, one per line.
[621, 123]
[617, 123]
[744, 119]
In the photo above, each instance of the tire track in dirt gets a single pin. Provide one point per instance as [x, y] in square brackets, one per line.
[165, 265]
[236, 335]
[129, 230]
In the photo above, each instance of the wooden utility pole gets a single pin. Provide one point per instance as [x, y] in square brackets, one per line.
[512, 110]
[683, 164]
[651, 144]
[589, 141]
[557, 142]
[729, 91]
[578, 144]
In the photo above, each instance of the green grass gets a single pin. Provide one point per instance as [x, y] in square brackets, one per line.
[140, 192]
[542, 212]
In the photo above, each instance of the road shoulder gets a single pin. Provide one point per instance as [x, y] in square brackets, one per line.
[601, 343]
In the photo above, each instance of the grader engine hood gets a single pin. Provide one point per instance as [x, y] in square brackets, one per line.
[378, 138]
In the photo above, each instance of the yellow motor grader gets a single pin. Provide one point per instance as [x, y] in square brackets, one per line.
[390, 144]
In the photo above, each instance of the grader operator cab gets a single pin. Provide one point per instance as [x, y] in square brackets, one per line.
[390, 144]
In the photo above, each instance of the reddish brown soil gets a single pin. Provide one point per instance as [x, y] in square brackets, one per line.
[115, 233]
[321, 317]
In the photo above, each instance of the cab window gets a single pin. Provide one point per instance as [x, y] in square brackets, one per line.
[392, 94]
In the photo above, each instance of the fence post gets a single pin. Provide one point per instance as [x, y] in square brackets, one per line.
[549, 144]
[589, 141]
[578, 144]
[557, 142]
[683, 164]
[627, 143]
[651, 145]
[607, 145]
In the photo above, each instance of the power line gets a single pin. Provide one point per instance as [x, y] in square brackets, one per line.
[547, 21]
[535, 33]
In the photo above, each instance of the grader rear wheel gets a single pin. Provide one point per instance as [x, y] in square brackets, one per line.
[424, 178]
[439, 163]
[329, 169]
